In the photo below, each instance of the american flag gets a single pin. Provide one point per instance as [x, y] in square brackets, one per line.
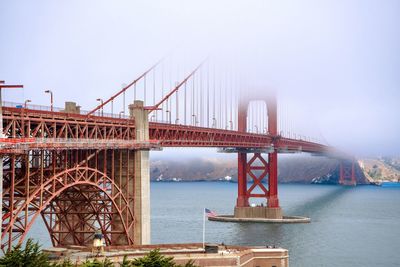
[210, 213]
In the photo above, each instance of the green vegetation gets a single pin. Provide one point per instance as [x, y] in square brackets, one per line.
[154, 259]
[33, 256]
[375, 172]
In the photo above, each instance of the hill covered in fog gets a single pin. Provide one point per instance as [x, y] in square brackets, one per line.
[291, 169]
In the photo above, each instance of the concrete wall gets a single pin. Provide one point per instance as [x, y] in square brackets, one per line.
[142, 176]
[258, 212]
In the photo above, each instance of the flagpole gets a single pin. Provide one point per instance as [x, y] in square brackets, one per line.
[204, 227]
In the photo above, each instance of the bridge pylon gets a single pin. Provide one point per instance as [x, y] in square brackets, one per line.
[259, 169]
[347, 173]
[141, 187]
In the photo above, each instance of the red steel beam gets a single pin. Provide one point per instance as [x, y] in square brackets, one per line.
[11, 86]
[169, 135]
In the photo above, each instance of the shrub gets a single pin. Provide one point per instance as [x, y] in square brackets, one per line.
[155, 259]
[31, 256]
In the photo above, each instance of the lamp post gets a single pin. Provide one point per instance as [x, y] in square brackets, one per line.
[168, 116]
[26, 103]
[194, 119]
[120, 114]
[255, 126]
[101, 103]
[51, 98]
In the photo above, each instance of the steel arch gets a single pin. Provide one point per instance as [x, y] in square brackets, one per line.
[55, 186]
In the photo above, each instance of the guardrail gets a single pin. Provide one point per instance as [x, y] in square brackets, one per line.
[17, 145]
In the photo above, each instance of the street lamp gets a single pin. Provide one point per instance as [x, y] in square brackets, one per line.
[214, 124]
[194, 119]
[51, 98]
[120, 114]
[255, 126]
[101, 103]
[168, 116]
[26, 102]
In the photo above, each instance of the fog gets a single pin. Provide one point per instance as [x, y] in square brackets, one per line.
[334, 64]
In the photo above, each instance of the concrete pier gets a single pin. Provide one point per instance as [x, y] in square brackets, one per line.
[141, 176]
[258, 212]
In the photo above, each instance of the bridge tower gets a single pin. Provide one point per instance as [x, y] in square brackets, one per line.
[259, 168]
[347, 174]
[141, 190]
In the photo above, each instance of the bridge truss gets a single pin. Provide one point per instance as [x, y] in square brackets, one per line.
[78, 170]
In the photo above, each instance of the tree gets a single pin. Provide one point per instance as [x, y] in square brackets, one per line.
[65, 263]
[30, 256]
[125, 262]
[97, 263]
[155, 259]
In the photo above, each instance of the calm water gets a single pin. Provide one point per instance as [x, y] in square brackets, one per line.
[350, 226]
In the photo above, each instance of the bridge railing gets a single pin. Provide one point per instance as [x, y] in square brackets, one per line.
[62, 110]
[23, 144]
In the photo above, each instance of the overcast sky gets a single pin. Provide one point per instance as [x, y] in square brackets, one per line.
[334, 63]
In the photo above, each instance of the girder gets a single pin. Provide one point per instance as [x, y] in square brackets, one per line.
[52, 126]
[77, 198]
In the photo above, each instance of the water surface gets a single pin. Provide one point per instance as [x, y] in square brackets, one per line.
[351, 226]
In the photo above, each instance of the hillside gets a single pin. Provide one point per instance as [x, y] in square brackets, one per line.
[291, 169]
[381, 169]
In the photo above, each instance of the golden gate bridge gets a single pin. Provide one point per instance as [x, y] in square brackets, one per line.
[86, 170]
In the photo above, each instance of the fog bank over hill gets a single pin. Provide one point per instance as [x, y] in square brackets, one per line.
[291, 169]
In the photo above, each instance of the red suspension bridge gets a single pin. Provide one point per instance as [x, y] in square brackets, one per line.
[86, 170]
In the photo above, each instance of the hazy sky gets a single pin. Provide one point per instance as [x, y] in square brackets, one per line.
[335, 63]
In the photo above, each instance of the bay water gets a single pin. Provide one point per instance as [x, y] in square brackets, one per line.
[350, 226]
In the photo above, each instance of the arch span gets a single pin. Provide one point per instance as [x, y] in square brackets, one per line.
[79, 195]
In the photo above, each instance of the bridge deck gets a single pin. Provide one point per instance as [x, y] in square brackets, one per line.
[57, 130]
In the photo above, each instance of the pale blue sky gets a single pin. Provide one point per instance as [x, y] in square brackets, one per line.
[335, 63]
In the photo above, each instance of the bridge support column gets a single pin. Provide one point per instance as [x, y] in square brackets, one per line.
[259, 169]
[347, 174]
[142, 176]
[273, 201]
[242, 199]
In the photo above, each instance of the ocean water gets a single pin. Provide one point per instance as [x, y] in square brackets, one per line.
[351, 226]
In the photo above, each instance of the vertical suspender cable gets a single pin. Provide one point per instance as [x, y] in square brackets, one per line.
[226, 100]
[144, 86]
[154, 91]
[208, 95]
[231, 101]
[214, 96]
[221, 109]
[184, 103]
[192, 107]
[201, 97]
[134, 92]
[123, 102]
[177, 107]
[162, 91]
